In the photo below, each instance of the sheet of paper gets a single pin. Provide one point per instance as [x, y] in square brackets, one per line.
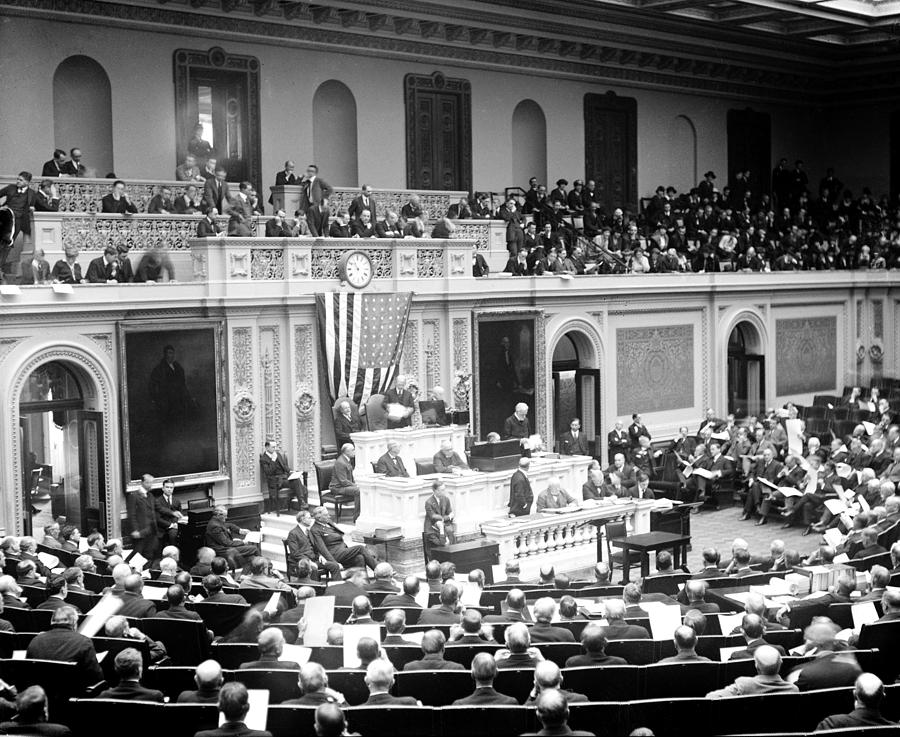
[703, 473]
[96, 617]
[137, 561]
[154, 593]
[842, 558]
[721, 435]
[102, 655]
[19, 654]
[664, 619]
[296, 653]
[498, 572]
[863, 504]
[415, 637]
[253, 537]
[82, 545]
[870, 427]
[272, 605]
[259, 709]
[728, 622]
[51, 561]
[795, 444]
[352, 636]
[863, 613]
[422, 597]
[835, 506]
[812, 483]
[319, 615]
[844, 470]
[768, 483]
[471, 595]
[725, 653]
[295, 475]
[63, 289]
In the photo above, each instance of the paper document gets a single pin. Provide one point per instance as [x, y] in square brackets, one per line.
[789, 491]
[664, 619]
[295, 475]
[137, 561]
[766, 482]
[352, 636]
[842, 558]
[397, 411]
[96, 617]
[51, 561]
[154, 593]
[19, 654]
[319, 615]
[259, 709]
[863, 613]
[82, 545]
[295, 653]
[844, 470]
[471, 595]
[870, 427]
[253, 537]
[725, 653]
[102, 655]
[835, 506]
[794, 428]
[703, 473]
[729, 622]
[272, 605]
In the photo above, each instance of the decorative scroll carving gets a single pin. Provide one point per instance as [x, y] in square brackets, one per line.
[411, 349]
[805, 355]
[304, 373]
[104, 340]
[461, 345]
[430, 263]
[434, 204]
[705, 348]
[407, 264]
[267, 263]
[86, 195]
[431, 331]
[325, 262]
[270, 365]
[459, 263]
[655, 368]
[198, 262]
[243, 406]
[473, 230]
[877, 318]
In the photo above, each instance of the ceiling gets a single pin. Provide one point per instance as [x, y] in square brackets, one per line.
[846, 23]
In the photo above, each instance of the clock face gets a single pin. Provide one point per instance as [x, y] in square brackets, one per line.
[357, 269]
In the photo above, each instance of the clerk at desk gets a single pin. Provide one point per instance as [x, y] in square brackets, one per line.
[554, 497]
[391, 464]
[439, 527]
[447, 460]
[401, 397]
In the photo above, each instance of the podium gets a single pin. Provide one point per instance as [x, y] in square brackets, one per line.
[286, 197]
[467, 556]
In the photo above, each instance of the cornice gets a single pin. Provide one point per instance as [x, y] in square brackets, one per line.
[551, 50]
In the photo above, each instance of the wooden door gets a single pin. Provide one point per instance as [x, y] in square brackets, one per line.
[222, 98]
[750, 147]
[438, 133]
[610, 149]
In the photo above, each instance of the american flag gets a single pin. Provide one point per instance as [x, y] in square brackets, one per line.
[362, 339]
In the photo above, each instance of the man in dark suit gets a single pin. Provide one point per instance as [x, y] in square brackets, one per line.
[56, 166]
[212, 586]
[406, 600]
[686, 647]
[74, 167]
[695, 593]
[447, 460]
[21, 200]
[277, 472]
[520, 494]
[328, 540]
[342, 481]
[31, 716]
[460, 210]
[574, 442]
[129, 665]
[313, 682]
[380, 680]
[133, 603]
[517, 425]
[208, 227]
[168, 512]
[868, 693]
[399, 395]
[56, 589]
[642, 490]
[286, 177]
[753, 629]
[617, 442]
[625, 471]
[141, 515]
[300, 546]
[271, 645]
[870, 544]
[225, 539]
[277, 227]
[216, 192]
[365, 201]
[484, 671]
[636, 430]
[314, 192]
[345, 592]
[513, 609]
[617, 628]
[106, 269]
[766, 468]
[391, 464]
[593, 645]
[234, 703]
[542, 630]
[345, 423]
[438, 524]
[433, 654]
[118, 201]
[175, 596]
[710, 565]
[446, 612]
[208, 678]
[62, 642]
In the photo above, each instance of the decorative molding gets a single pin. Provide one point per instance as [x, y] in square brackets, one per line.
[705, 350]
[806, 355]
[410, 356]
[431, 334]
[238, 263]
[270, 370]
[104, 340]
[300, 264]
[243, 406]
[7, 344]
[462, 345]
[306, 450]
[655, 368]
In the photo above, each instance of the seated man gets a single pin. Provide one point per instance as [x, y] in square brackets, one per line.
[766, 680]
[593, 646]
[695, 594]
[129, 666]
[407, 599]
[367, 650]
[133, 602]
[313, 682]
[484, 671]
[261, 576]
[277, 472]
[380, 681]
[56, 589]
[553, 713]
[543, 631]
[204, 558]
[342, 484]
[175, 596]
[234, 703]
[62, 642]
[330, 721]
[594, 488]
[439, 526]
[685, 646]
[300, 547]
[625, 472]
[394, 626]
[345, 423]
[31, 716]
[225, 539]
[328, 540]
[391, 464]
[554, 497]
[117, 626]
[470, 630]
[447, 611]
[753, 628]
[518, 652]
[547, 677]
[617, 628]
[360, 611]
[271, 645]
[514, 608]
[433, 651]
[447, 460]
[868, 693]
[212, 586]
[384, 579]
[208, 678]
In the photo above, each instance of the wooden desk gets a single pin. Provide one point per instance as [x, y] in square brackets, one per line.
[420, 442]
[647, 542]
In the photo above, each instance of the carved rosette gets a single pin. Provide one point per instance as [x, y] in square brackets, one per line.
[305, 398]
[243, 406]
[304, 404]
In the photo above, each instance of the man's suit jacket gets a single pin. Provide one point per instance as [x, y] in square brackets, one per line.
[233, 729]
[132, 691]
[73, 169]
[439, 615]
[207, 229]
[358, 205]
[53, 168]
[514, 428]
[219, 535]
[386, 699]
[392, 396]
[433, 662]
[136, 606]
[343, 427]
[828, 671]
[141, 514]
[569, 446]
[752, 647]
[520, 494]
[442, 464]
[723, 466]
[770, 472]
[589, 490]
[342, 475]
[344, 593]
[282, 178]
[400, 601]
[618, 442]
[627, 475]
[111, 206]
[437, 509]
[391, 466]
[313, 193]
[221, 598]
[328, 540]
[99, 272]
[545, 632]
[863, 717]
[635, 431]
[300, 545]
[275, 472]
[165, 513]
[486, 695]
[216, 194]
[61, 643]
[179, 612]
[71, 274]
[620, 630]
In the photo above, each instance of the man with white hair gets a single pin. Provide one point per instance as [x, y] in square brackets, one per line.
[766, 681]
[380, 679]
[516, 425]
[447, 460]
[399, 395]
[543, 630]
[554, 497]
[391, 464]
[167, 570]
[345, 423]
[225, 539]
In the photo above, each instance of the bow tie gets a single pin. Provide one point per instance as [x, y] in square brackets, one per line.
[20, 191]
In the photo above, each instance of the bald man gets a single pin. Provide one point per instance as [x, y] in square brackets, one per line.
[553, 713]
[766, 681]
[208, 678]
[271, 645]
[484, 671]
[868, 693]
[547, 677]
[433, 642]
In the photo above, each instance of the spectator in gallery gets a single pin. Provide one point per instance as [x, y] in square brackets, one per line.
[314, 193]
[56, 166]
[47, 197]
[286, 176]
[340, 226]
[443, 228]
[198, 147]
[277, 226]
[209, 227]
[118, 201]
[460, 210]
[74, 166]
[216, 192]
[414, 228]
[68, 270]
[188, 171]
[412, 209]
[237, 226]
[109, 269]
[389, 227]
[362, 227]
[364, 201]
[480, 266]
[36, 271]
[155, 267]
[161, 203]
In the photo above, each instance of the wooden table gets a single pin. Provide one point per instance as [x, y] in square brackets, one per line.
[647, 542]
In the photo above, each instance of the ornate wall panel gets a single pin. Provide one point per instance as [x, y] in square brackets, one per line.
[431, 335]
[655, 368]
[805, 355]
[270, 371]
[244, 402]
[306, 446]
[410, 363]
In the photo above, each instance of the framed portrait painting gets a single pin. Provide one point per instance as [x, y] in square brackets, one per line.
[509, 363]
[173, 385]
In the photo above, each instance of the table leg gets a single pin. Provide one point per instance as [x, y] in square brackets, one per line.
[645, 564]
[626, 565]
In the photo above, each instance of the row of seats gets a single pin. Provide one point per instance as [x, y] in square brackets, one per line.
[695, 717]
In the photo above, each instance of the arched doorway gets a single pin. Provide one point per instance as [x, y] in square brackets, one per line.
[82, 112]
[335, 134]
[576, 385]
[746, 371]
[61, 445]
[529, 135]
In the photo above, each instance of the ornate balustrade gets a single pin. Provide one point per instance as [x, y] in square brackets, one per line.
[238, 260]
[434, 203]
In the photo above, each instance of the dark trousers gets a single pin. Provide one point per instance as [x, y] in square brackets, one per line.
[356, 556]
[238, 555]
[146, 546]
[808, 509]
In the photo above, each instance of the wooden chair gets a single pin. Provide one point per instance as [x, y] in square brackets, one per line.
[186, 641]
[219, 617]
[434, 687]
[324, 470]
[281, 684]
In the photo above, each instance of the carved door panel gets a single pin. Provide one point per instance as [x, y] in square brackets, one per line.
[750, 147]
[610, 149]
[438, 133]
